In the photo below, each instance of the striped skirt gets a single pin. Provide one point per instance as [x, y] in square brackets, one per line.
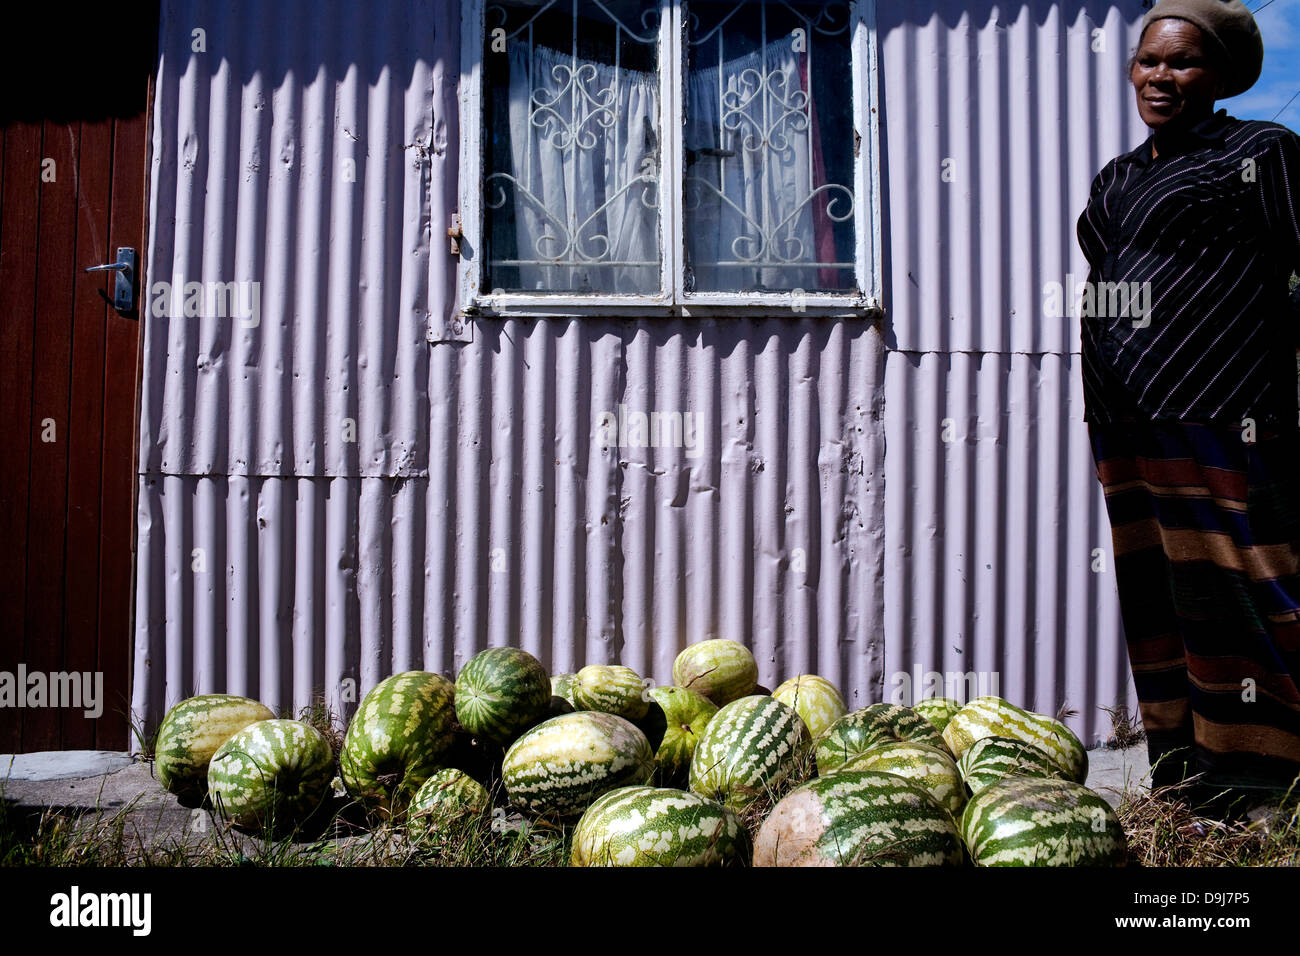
[1206, 532]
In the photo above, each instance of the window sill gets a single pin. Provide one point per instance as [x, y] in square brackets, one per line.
[729, 305]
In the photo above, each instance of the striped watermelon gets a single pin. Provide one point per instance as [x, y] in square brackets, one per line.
[990, 759]
[863, 729]
[749, 749]
[930, 768]
[611, 689]
[995, 717]
[563, 764]
[501, 692]
[192, 732]
[399, 736]
[721, 670]
[673, 725]
[562, 686]
[448, 797]
[271, 776]
[648, 826]
[858, 818]
[937, 710]
[813, 698]
[1023, 821]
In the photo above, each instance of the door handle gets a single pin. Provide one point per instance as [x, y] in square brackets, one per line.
[124, 285]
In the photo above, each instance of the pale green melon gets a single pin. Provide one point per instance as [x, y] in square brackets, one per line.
[813, 698]
[721, 670]
[192, 732]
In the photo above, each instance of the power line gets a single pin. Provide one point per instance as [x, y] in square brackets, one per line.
[1288, 102]
[1297, 92]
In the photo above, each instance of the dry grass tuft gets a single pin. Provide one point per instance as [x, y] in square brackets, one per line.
[321, 717]
[1126, 731]
[1164, 828]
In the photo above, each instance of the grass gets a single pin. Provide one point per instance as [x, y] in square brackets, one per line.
[1126, 731]
[52, 838]
[1165, 829]
[323, 718]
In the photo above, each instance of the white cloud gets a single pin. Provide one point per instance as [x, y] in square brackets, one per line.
[1280, 25]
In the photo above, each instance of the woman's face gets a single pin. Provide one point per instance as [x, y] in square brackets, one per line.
[1173, 75]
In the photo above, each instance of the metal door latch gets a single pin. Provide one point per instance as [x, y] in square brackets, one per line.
[455, 234]
[124, 285]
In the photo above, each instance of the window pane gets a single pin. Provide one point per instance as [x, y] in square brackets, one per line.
[769, 147]
[571, 190]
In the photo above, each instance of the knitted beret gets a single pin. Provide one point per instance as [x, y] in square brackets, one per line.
[1227, 23]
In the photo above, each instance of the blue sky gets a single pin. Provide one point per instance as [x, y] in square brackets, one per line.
[1279, 23]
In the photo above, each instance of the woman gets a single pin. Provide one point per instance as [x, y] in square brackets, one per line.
[1190, 398]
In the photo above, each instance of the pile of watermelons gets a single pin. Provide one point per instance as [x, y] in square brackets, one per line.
[712, 771]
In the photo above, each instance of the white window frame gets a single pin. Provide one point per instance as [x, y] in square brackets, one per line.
[864, 301]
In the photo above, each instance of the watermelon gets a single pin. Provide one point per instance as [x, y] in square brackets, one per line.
[990, 759]
[749, 749]
[937, 710]
[929, 767]
[563, 764]
[813, 698]
[559, 705]
[271, 776]
[1026, 821]
[562, 686]
[858, 818]
[648, 826]
[863, 729]
[611, 689]
[674, 723]
[501, 692]
[448, 797]
[721, 670]
[995, 717]
[400, 735]
[192, 732]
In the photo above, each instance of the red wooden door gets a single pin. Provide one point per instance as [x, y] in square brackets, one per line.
[73, 156]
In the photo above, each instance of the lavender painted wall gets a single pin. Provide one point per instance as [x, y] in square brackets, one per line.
[822, 517]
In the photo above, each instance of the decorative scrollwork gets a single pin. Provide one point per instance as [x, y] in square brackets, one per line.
[832, 19]
[558, 245]
[601, 107]
[649, 20]
[773, 89]
[777, 245]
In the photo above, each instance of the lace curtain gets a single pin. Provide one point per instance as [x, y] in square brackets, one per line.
[585, 173]
[583, 189]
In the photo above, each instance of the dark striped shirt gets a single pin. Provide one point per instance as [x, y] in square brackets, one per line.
[1209, 231]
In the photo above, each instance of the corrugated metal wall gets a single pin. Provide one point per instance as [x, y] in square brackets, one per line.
[824, 519]
[475, 506]
[996, 118]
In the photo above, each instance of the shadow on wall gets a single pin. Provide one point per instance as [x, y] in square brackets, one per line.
[526, 531]
[918, 69]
